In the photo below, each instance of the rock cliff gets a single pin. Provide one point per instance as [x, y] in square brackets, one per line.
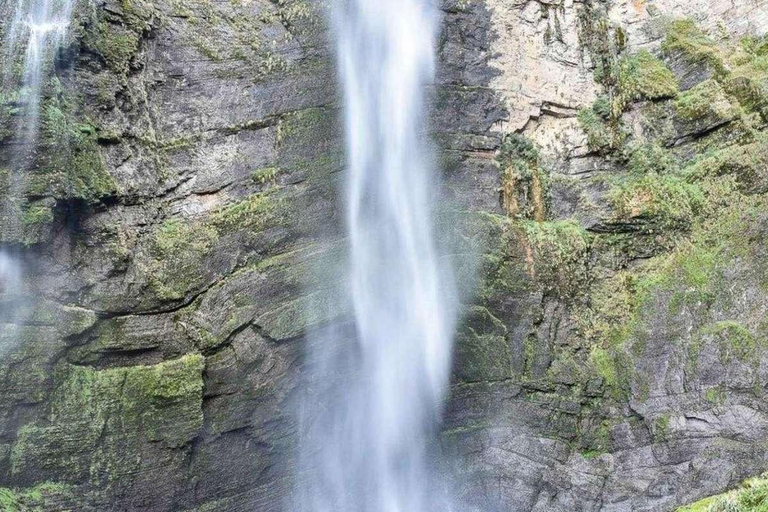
[605, 166]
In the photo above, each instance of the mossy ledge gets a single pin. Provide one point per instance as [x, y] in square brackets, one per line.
[80, 441]
[751, 496]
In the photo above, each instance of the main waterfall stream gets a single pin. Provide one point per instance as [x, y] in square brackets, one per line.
[371, 450]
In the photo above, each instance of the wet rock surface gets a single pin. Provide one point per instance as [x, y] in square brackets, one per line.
[607, 232]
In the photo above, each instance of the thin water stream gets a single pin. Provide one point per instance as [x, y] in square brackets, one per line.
[36, 31]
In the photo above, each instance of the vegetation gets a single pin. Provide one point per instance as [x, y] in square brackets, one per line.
[179, 248]
[523, 180]
[641, 76]
[72, 166]
[83, 403]
[33, 499]
[597, 124]
[686, 38]
[752, 496]
[37, 217]
[667, 201]
[706, 100]
[558, 256]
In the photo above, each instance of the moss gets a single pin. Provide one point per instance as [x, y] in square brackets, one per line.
[308, 123]
[248, 29]
[265, 175]
[37, 218]
[34, 499]
[609, 316]
[641, 76]
[748, 82]
[72, 166]
[99, 419]
[601, 134]
[747, 163]
[735, 341]
[619, 310]
[706, 101]
[558, 259]
[667, 201]
[661, 428]
[752, 496]
[117, 45]
[138, 14]
[517, 148]
[600, 38]
[170, 380]
[179, 247]
[700, 506]
[523, 179]
[685, 37]
[651, 158]
[249, 214]
[599, 440]
[715, 395]
[693, 274]
[176, 236]
[605, 365]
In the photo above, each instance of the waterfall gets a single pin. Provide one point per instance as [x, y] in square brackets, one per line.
[42, 26]
[10, 276]
[34, 33]
[372, 439]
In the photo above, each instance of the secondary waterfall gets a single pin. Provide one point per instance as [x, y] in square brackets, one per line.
[40, 27]
[32, 36]
[373, 439]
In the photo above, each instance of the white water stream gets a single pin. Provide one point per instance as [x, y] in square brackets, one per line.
[40, 27]
[33, 34]
[373, 441]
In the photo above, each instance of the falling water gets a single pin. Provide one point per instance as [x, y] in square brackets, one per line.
[373, 439]
[35, 32]
[10, 319]
[42, 26]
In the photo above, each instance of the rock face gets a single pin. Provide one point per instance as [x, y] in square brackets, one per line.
[180, 235]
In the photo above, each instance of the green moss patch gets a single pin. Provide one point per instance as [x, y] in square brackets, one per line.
[650, 158]
[747, 163]
[35, 499]
[686, 38]
[752, 496]
[179, 247]
[627, 78]
[558, 256]
[641, 76]
[734, 340]
[706, 103]
[749, 83]
[666, 201]
[36, 219]
[72, 166]
[99, 420]
[601, 134]
[524, 183]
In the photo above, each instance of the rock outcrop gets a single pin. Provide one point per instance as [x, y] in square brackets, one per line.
[179, 228]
